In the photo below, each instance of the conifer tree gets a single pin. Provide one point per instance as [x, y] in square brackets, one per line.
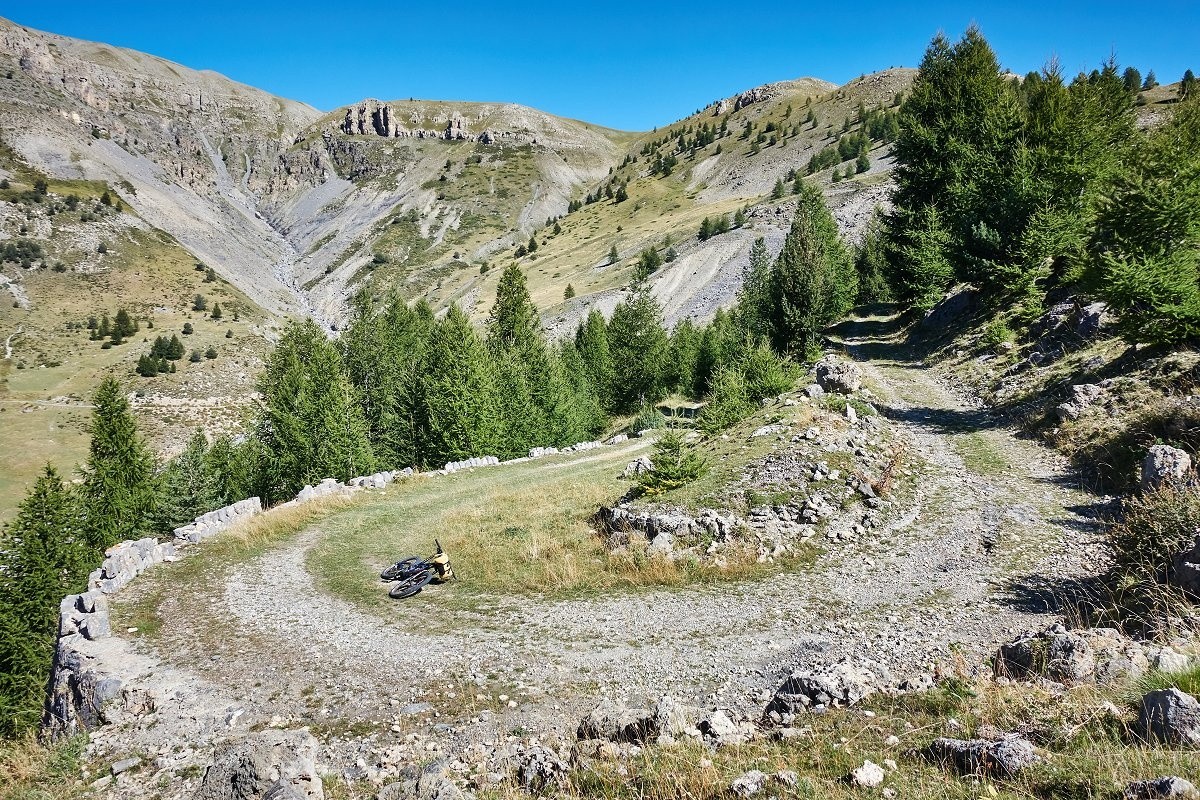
[118, 490]
[187, 487]
[591, 341]
[1188, 85]
[813, 282]
[311, 426]
[754, 296]
[638, 345]
[42, 558]
[458, 392]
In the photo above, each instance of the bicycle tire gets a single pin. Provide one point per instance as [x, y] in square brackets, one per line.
[411, 585]
[398, 570]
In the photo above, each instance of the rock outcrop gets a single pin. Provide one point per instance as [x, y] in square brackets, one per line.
[1169, 716]
[1001, 758]
[1164, 464]
[272, 765]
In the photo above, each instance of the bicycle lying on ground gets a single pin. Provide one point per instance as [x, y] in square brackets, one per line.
[414, 573]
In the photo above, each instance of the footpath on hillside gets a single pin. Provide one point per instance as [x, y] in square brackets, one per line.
[994, 524]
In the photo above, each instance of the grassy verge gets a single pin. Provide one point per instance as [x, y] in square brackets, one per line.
[29, 771]
[518, 530]
[1086, 751]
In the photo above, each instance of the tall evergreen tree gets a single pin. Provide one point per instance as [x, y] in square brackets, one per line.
[384, 350]
[754, 296]
[311, 426]
[188, 486]
[591, 340]
[813, 282]
[458, 392]
[638, 345]
[118, 488]
[43, 557]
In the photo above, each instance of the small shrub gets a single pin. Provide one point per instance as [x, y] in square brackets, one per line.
[1152, 530]
[675, 465]
[649, 418]
[997, 333]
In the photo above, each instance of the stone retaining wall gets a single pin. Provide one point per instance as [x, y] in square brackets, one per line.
[80, 690]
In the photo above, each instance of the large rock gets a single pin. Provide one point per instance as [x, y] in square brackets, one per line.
[1002, 758]
[1168, 787]
[951, 307]
[836, 374]
[539, 770]
[614, 721]
[272, 765]
[1164, 464]
[867, 776]
[1102, 655]
[1170, 716]
[844, 684]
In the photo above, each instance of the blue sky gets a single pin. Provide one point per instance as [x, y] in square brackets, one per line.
[622, 64]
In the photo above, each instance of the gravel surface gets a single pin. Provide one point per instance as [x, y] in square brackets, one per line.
[930, 589]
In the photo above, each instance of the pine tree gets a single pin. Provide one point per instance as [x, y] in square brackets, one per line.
[175, 349]
[43, 557]
[569, 292]
[312, 426]
[1151, 81]
[776, 194]
[612, 255]
[813, 282]
[187, 487]
[591, 342]
[1187, 85]
[199, 303]
[458, 392]
[638, 345]
[216, 311]
[1132, 79]
[123, 325]
[754, 298]
[683, 352]
[118, 490]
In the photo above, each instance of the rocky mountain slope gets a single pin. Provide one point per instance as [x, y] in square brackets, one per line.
[297, 209]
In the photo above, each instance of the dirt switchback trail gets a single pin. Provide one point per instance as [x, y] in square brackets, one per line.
[960, 566]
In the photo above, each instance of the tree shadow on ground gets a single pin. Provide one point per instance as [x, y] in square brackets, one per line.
[941, 420]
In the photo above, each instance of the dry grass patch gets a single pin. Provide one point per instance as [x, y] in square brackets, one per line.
[30, 771]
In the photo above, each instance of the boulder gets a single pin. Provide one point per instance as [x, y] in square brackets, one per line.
[1002, 758]
[1169, 716]
[1164, 464]
[836, 374]
[1083, 396]
[614, 721]
[540, 770]
[1102, 655]
[1092, 319]
[951, 307]
[748, 784]
[844, 684]
[429, 782]
[639, 466]
[1168, 787]
[272, 765]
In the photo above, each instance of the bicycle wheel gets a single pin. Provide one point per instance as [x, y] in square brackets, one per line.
[410, 585]
[399, 569]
